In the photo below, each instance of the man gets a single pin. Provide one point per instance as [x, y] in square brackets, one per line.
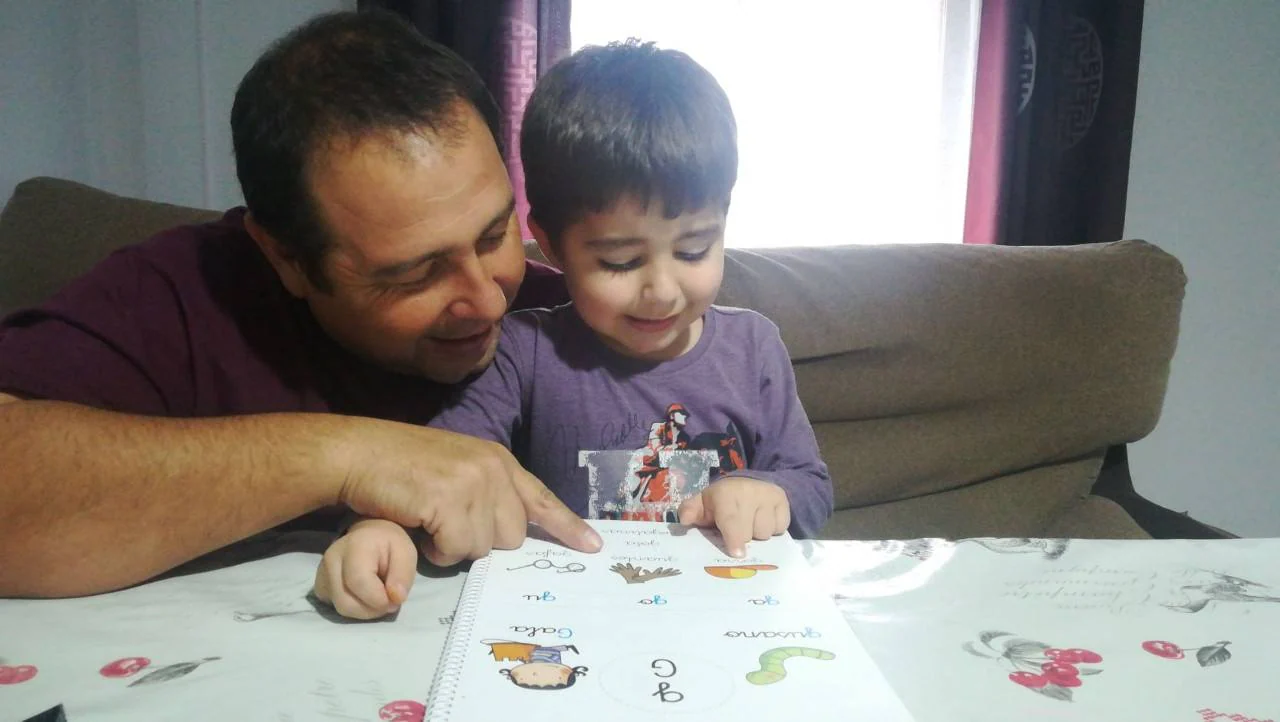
[220, 380]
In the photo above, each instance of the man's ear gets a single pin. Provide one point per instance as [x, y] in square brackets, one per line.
[287, 267]
[544, 243]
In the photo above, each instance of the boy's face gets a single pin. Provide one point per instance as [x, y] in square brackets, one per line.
[643, 281]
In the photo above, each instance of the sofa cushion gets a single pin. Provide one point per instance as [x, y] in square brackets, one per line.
[929, 368]
[53, 230]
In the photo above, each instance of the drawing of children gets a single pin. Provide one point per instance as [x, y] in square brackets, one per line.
[541, 667]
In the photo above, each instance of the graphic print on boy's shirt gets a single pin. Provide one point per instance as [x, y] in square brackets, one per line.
[648, 484]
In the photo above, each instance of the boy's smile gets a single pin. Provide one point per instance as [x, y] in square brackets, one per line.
[640, 280]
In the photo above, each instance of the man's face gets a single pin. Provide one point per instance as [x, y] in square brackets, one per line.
[643, 281]
[426, 253]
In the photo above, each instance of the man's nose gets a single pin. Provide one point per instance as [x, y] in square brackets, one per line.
[478, 295]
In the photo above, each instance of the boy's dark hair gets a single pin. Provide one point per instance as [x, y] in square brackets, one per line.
[340, 75]
[626, 119]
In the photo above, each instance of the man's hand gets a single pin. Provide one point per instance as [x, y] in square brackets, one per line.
[742, 509]
[469, 495]
[368, 572]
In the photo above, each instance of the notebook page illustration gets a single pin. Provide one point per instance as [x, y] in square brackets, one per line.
[659, 625]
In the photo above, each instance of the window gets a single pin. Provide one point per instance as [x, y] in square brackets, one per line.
[853, 118]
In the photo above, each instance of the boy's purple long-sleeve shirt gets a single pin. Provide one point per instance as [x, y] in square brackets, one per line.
[615, 437]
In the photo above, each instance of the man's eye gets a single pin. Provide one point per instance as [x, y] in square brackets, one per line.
[413, 285]
[622, 267]
[491, 243]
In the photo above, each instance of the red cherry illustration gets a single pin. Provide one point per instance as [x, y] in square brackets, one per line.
[1068, 682]
[1066, 656]
[126, 667]
[403, 710]
[1057, 671]
[1168, 650]
[1029, 680]
[1053, 653]
[1086, 656]
[16, 674]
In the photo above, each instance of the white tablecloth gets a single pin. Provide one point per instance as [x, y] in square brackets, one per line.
[949, 622]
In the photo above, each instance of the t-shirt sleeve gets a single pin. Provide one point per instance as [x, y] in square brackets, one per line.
[492, 405]
[115, 338]
[786, 451]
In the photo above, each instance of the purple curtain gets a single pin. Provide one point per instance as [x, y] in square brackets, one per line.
[1053, 121]
[509, 42]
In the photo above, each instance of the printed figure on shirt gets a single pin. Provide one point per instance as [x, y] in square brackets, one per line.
[659, 477]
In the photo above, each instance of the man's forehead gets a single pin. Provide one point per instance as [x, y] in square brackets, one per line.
[385, 196]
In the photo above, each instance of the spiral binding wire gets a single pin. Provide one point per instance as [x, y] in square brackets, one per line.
[449, 673]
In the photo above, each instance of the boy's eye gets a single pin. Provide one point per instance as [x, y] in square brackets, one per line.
[621, 267]
[693, 256]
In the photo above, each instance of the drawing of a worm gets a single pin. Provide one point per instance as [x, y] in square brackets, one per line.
[771, 669]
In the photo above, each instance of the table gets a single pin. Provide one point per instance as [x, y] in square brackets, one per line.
[1154, 630]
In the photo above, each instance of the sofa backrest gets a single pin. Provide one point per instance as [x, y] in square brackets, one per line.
[926, 369]
[52, 230]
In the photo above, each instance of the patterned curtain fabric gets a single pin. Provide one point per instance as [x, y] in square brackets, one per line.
[509, 42]
[1053, 121]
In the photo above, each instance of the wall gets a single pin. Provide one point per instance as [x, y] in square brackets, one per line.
[132, 96]
[1205, 185]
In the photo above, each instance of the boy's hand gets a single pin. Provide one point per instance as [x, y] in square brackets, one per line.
[742, 509]
[368, 572]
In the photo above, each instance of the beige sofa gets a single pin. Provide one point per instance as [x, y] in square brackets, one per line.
[955, 390]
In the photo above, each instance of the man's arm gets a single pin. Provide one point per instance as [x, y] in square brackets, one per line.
[95, 500]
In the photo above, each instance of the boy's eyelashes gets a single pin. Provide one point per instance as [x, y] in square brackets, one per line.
[622, 267]
[638, 261]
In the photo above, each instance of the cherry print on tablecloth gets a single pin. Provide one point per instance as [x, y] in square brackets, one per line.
[1209, 655]
[1054, 672]
[129, 666]
[403, 710]
[16, 673]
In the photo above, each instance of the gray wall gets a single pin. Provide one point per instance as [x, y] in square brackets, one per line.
[1205, 186]
[132, 96]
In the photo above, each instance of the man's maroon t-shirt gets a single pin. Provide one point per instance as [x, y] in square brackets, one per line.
[194, 323]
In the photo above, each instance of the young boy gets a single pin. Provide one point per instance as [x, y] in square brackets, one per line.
[639, 400]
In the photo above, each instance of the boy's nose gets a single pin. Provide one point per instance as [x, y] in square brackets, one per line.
[660, 289]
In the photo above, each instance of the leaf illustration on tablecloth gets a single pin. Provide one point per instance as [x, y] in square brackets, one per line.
[1055, 692]
[989, 635]
[1213, 655]
[172, 671]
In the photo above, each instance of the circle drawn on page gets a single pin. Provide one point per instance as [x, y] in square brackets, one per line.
[642, 680]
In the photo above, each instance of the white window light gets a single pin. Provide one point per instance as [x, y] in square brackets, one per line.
[854, 117]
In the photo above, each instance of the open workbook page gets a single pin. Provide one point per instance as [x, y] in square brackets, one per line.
[661, 624]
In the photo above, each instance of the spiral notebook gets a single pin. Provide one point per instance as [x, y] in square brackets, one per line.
[661, 624]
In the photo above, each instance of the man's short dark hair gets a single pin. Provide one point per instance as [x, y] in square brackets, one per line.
[626, 119]
[345, 75]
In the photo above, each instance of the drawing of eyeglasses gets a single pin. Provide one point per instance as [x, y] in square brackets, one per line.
[573, 567]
